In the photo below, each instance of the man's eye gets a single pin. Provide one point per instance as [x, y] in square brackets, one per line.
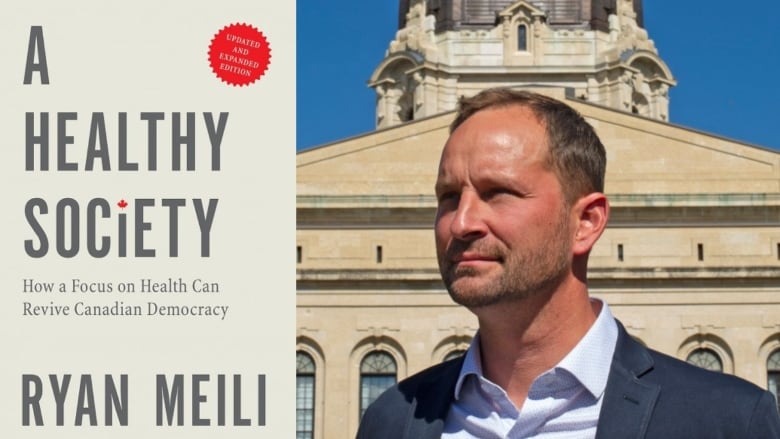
[447, 196]
[492, 193]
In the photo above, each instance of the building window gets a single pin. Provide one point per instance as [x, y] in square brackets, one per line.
[773, 375]
[700, 251]
[299, 254]
[304, 396]
[454, 354]
[522, 38]
[379, 254]
[377, 374]
[706, 359]
[620, 252]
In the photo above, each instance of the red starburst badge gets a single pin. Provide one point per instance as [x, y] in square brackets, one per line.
[239, 54]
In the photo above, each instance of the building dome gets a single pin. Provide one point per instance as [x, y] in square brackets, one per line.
[459, 14]
[596, 50]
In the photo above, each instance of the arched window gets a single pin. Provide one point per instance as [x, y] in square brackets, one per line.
[304, 396]
[377, 374]
[454, 354]
[773, 375]
[706, 359]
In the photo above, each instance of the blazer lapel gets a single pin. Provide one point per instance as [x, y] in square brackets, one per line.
[430, 408]
[628, 402]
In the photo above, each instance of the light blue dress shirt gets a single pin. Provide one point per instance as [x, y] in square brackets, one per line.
[563, 402]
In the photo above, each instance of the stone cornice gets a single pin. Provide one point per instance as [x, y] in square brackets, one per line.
[598, 278]
[423, 200]
[627, 211]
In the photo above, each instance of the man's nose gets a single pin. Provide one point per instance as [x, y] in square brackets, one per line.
[468, 222]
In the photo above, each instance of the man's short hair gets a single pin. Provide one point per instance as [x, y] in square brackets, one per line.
[575, 152]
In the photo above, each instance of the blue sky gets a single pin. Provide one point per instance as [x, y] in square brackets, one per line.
[724, 55]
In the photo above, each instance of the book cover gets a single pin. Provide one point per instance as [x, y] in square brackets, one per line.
[148, 221]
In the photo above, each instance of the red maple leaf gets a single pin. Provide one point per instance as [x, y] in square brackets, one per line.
[122, 203]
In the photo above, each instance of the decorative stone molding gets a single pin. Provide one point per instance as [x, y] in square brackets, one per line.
[709, 341]
[399, 84]
[616, 66]
[418, 35]
[457, 342]
[510, 19]
[625, 31]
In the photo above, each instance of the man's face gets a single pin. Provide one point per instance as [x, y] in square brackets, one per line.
[502, 228]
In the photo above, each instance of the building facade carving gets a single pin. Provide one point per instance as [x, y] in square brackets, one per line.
[498, 43]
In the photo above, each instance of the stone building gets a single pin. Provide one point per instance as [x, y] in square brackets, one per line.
[448, 48]
[690, 261]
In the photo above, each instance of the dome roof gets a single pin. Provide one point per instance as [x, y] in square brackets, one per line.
[459, 14]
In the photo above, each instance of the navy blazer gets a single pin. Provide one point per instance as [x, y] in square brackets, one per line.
[648, 395]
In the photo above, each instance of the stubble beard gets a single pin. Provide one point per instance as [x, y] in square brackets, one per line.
[525, 274]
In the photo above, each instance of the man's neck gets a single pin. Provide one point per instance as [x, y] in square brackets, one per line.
[521, 340]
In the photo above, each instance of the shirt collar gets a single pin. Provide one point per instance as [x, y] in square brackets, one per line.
[589, 362]
[591, 359]
[472, 364]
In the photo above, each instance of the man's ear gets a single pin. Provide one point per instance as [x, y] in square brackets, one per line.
[592, 214]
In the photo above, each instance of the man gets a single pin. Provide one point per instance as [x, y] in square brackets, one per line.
[520, 206]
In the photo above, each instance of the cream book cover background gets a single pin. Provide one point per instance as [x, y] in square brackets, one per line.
[148, 219]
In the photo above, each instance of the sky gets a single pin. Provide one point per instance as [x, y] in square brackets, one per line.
[724, 55]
